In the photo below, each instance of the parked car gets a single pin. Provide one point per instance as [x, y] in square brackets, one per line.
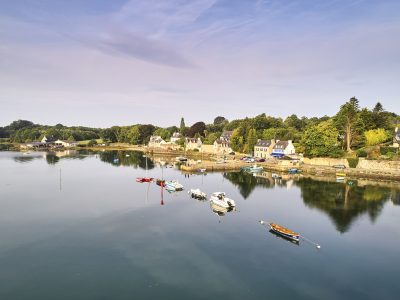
[339, 166]
[260, 159]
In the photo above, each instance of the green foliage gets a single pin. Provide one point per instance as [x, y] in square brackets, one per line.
[92, 143]
[321, 140]
[353, 161]
[237, 142]
[282, 134]
[164, 133]
[387, 150]
[362, 153]
[182, 127]
[198, 127]
[220, 120]
[210, 138]
[376, 136]
[251, 140]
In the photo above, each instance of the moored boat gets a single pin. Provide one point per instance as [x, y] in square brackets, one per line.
[160, 182]
[173, 185]
[283, 231]
[197, 194]
[276, 176]
[144, 179]
[220, 199]
[255, 169]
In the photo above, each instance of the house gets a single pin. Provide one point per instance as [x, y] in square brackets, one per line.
[222, 146]
[282, 148]
[156, 142]
[263, 148]
[176, 136]
[226, 135]
[48, 139]
[34, 146]
[65, 144]
[396, 138]
[193, 143]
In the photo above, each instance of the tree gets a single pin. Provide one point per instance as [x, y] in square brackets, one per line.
[379, 117]
[347, 120]
[251, 140]
[237, 140]
[182, 127]
[163, 133]
[321, 140]
[133, 136]
[198, 127]
[376, 136]
[219, 120]
[145, 132]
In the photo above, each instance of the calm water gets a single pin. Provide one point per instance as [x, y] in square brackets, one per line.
[78, 226]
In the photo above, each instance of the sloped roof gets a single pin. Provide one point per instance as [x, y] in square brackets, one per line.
[263, 143]
[281, 145]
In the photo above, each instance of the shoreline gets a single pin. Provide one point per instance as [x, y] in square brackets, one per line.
[208, 162]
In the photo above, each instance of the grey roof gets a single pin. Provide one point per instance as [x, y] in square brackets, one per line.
[223, 142]
[281, 145]
[191, 140]
[263, 143]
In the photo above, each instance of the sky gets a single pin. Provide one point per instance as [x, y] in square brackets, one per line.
[102, 63]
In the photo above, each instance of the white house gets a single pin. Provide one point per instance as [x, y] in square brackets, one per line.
[176, 136]
[156, 142]
[264, 148]
[48, 139]
[282, 148]
[226, 135]
[193, 143]
[65, 144]
[222, 146]
[396, 138]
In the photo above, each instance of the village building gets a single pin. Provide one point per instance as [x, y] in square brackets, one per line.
[48, 139]
[193, 143]
[396, 138]
[283, 148]
[65, 144]
[226, 135]
[263, 148]
[176, 136]
[222, 146]
[156, 142]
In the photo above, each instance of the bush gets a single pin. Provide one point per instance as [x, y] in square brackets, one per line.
[353, 162]
[386, 150]
[92, 143]
[362, 153]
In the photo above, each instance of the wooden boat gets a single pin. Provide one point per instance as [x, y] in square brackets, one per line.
[283, 231]
[160, 182]
[295, 242]
[144, 179]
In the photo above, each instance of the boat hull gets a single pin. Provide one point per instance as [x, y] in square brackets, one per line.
[289, 234]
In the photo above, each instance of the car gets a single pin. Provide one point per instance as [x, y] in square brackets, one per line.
[261, 160]
[339, 166]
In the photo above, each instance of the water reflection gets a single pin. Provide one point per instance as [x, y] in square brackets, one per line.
[343, 203]
[246, 182]
[127, 158]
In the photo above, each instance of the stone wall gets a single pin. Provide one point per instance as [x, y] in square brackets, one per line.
[328, 162]
[379, 165]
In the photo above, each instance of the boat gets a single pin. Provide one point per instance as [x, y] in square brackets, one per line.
[173, 185]
[144, 179]
[293, 171]
[283, 231]
[255, 169]
[180, 159]
[340, 175]
[202, 170]
[245, 169]
[160, 182]
[116, 160]
[197, 194]
[284, 238]
[219, 210]
[276, 176]
[220, 199]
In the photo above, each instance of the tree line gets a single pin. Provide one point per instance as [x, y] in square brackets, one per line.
[351, 128]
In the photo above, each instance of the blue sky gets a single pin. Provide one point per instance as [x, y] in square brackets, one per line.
[102, 63]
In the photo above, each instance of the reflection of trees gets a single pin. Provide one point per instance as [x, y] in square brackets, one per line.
[343, 203]
[25, 159]
[246, 182]
[52, 159]
[120, 158]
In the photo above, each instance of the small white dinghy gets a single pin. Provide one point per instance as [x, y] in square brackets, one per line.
[219, 198]
[197, 194]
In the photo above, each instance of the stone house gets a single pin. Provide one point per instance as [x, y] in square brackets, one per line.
[263, 148]
[193, 143]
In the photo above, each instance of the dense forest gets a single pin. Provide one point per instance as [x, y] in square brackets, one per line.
[351, 128]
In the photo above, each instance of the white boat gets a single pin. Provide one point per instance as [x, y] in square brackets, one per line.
[202, 170]
[173, 185]
[197, 194]
[219, 198]
[180, 159]
[255, 169]
[219, 210]
[276, 176]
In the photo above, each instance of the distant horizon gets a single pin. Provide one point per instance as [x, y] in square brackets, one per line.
[103, 63]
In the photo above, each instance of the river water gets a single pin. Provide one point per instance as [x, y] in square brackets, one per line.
[78, 226]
